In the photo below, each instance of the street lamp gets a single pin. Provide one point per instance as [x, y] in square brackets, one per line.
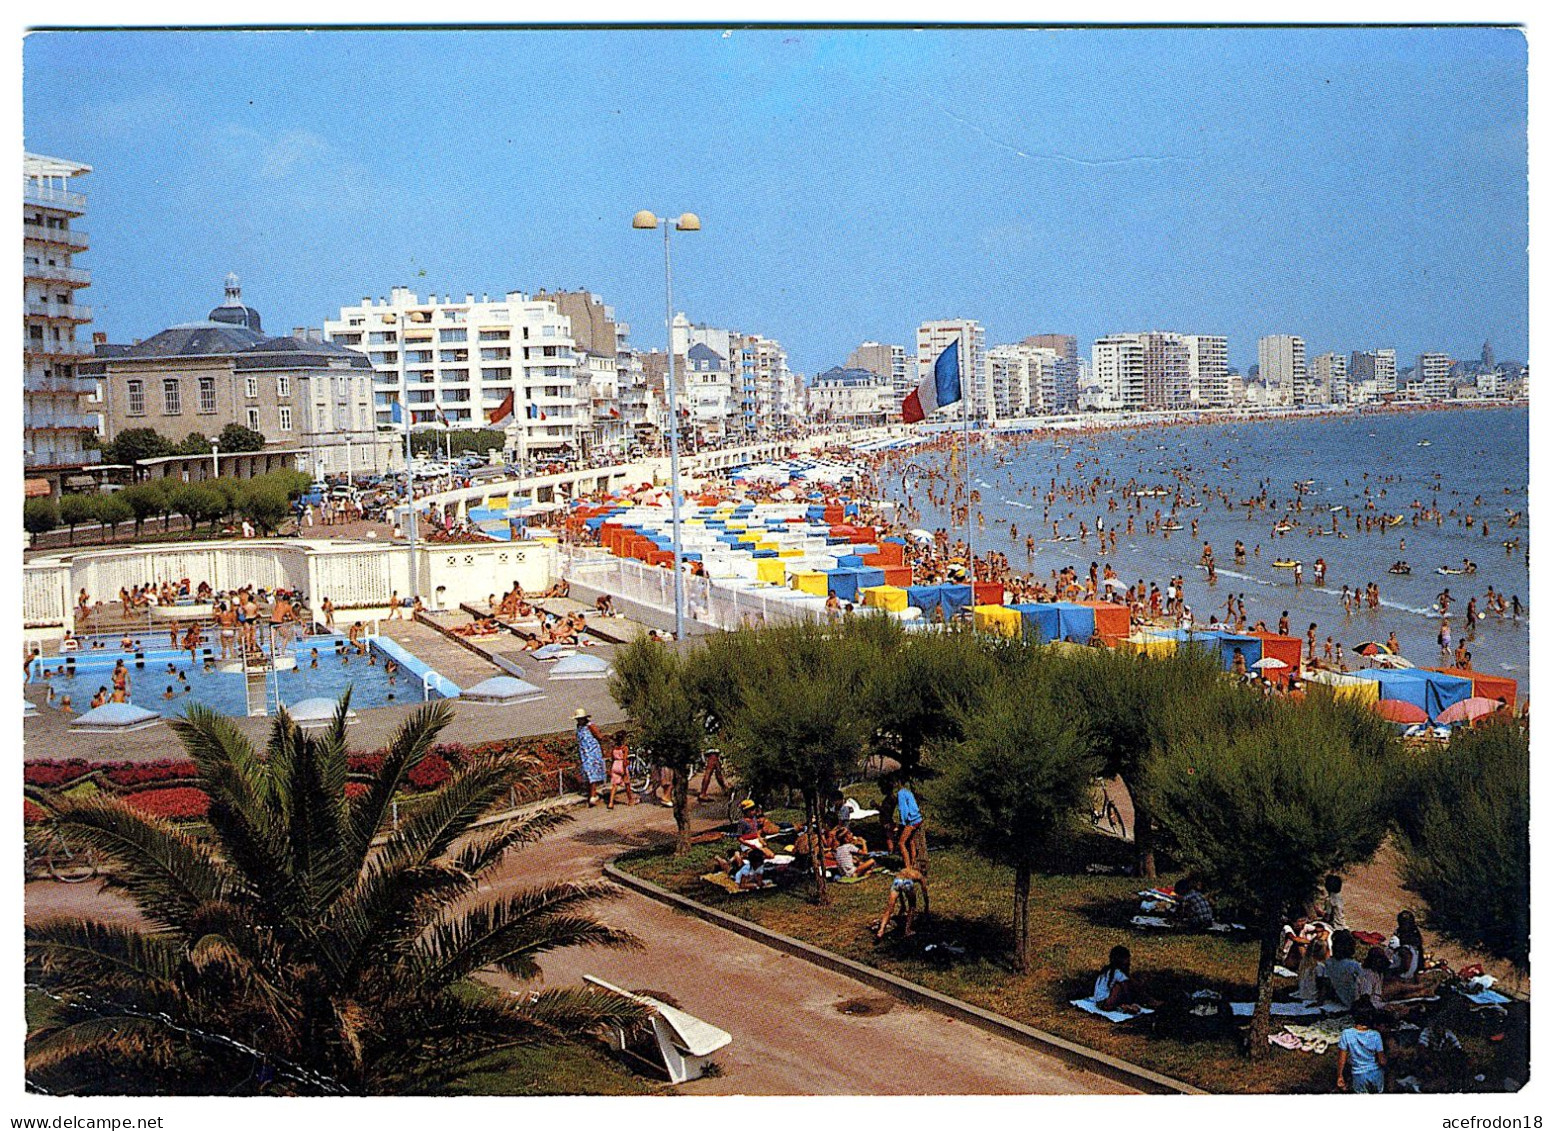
[687, 222]
[215, 459]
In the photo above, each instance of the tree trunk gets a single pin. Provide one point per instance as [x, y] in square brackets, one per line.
[1142, 835]
[811, 820]
[1022, 917]
[679, 791]
[1261, 1016]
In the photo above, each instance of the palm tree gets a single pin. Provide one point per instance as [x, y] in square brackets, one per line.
[296, 949]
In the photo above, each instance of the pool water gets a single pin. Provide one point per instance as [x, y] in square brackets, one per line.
[226, 692]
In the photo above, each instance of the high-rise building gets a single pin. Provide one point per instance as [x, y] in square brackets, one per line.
[1024, 379]
[461, 359]
[1376, 367]
[1433, 371]
[1487, 360]
[935, 337]
[1161, 369]
[602, 369]
[885, 361]
[1066, 375]
[1281, 366]
[766, 396]
[56, 425]
[1328, 382]
[1207, 358]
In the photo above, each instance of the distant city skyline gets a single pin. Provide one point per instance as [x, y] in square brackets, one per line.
[1358, 188]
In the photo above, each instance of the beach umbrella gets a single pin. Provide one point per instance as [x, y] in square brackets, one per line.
[1269, 662]
[1400, 711]
[1388, 661]
[921, 535]
[1468, 709]
[1372, 648]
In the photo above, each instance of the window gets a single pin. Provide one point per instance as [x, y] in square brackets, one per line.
[495, 335]
[251, 387]
[454, 355]
[285, 417]
[172, 396]
[500, 373]
[499, 353]
[207, 394]
[253, 419]
[460, 335]
[282, 386]
[549, 331]
[137, 397]
[382, 338]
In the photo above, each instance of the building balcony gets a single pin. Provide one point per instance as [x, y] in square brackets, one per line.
[59, 311]
[73, 238]
[64, 386]
[35, 348]
[58, 422]
[60, 457]
[47, 196]
[44, 273]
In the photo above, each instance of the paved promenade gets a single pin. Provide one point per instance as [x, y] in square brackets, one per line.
[789, 1037]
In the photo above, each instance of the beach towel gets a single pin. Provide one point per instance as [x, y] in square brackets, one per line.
[1288, 1009]
[1115, 1016]
[1152, 921]
[1318, 1036]
[1481, 997]
[724, 881]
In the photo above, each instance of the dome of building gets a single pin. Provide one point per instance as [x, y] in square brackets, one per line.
[232, 311]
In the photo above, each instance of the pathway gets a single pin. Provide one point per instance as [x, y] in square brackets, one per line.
[789, 1038]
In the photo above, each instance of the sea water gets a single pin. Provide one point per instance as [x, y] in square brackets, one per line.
[1470, 461]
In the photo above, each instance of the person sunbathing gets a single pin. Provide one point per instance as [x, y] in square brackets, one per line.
[752, 873]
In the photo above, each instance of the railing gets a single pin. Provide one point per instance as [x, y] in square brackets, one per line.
[68, 310]
[35, 193]
[56, 349]
[61, 457]
[37, 383]
[706, 601]
[53, 274]
[73, 238]
[57, 421]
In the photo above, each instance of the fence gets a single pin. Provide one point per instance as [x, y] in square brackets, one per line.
[708, 601]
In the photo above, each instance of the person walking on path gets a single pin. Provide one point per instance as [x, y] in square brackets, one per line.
[620, 771]
[590, 752]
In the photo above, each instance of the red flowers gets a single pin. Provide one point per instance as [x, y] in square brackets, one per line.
[179, 802]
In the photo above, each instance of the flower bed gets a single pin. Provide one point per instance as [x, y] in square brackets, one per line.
[165, 787]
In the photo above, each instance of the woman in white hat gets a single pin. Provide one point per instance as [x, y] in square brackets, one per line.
[590, 752]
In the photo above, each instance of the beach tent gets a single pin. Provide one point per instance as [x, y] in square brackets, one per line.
[949, 599]
[1113, 623]
[1432, 691]
[1346, 686]
[891, 598]
[1484, 685]
[844, 584]
[1286, 649]
[1000, 619]
[1150, 643]
[811, 581]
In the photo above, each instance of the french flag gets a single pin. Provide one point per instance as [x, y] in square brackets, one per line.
[938, 389]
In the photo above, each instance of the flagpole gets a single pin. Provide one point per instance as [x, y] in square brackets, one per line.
[965, 470]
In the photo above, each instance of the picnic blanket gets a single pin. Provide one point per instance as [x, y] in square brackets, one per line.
[1157, 922]
[1481, 997]
[1288, 1009]
[1316, 1037]
[725, 881]
[1115, 1016]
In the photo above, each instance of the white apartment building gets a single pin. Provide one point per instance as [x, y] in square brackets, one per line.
[766, 397]
[1281, 366]
[975, 377]
[56, 401]
[1207, 359]
[464, 358]
[1025, 379]
[713, 394]
[1328, 383]
[1433, 372]
[1161, 369]
[885, 361]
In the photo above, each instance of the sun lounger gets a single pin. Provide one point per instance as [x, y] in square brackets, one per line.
[685, 1044]
[1115, 1016]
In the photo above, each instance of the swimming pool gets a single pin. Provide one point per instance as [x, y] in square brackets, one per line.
[80, 674]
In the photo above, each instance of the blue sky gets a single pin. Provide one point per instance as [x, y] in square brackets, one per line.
[1361, 187]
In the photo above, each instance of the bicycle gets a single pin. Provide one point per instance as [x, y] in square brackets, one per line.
[48, 854]
[1104, 815]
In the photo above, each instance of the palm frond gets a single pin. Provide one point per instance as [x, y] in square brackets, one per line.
[64, 952]
[409, 746]
[167, 872]
[474, 788]
[510, 934]
[484, 851]
[130, 1040]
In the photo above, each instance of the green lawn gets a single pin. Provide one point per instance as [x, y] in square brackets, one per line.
[1075, 920]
